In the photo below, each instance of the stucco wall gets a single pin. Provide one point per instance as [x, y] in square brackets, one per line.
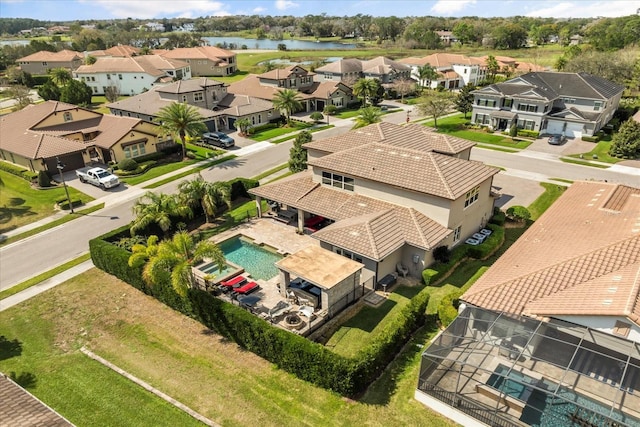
[59, 117]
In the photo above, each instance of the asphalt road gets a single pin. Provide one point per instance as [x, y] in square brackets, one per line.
[29, 257]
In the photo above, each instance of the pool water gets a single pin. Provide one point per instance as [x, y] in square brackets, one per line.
[256, 260]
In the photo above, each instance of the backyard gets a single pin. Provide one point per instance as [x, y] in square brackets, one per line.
[21, 204]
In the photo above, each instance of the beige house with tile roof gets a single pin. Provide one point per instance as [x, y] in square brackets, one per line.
[40, 63]
[119, 51]
[349, 70]
[455, 70]
[393, 194]
[579, 262]
[131, 75]
[204, 60]
[36, 136]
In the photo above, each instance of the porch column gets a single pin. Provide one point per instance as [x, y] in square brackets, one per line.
[259, 206]
[300, 221]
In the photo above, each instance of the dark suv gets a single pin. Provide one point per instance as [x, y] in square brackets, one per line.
[218, 139]
[557, 139]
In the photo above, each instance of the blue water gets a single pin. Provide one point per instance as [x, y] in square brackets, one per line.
[545, 410]
[255, 260]
[212, 268]
[273, 44]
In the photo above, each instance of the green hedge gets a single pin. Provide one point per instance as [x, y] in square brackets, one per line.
[531, 133]
[448, 307]
[19, 171]
[307, 360]
[241, 186]
[591, 138]
[442, 268]
[489, 245]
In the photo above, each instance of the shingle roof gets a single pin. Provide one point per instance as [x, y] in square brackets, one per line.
[411, 136]
[349, 65]
[242, 105]
[150, 102]
[429, 173]
[46, 56]
[367, 226]
[581, 257]
[579, 85]
[285, 73]
[21, 408]
[188, 86]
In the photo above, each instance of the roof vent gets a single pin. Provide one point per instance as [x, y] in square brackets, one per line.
[362, 205]
[613, 289]
[354, 233]
[607, 301]
[616, 278]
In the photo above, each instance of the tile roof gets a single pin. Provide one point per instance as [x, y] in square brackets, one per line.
[62, 56]
[348, 65]
[311, 263]
[150, 102]
[190, 85]
[21, 408]
[581, 257]
[377, 65]
[285, 73]
[242, 105]
[411, 136]
[443, 60]
[367, 226]
[199, 52]
[409, 168]
[120, 50]
[153, 65]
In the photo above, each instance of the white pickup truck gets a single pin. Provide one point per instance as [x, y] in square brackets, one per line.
[98, 177]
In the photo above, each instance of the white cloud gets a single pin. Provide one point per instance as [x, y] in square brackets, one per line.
[285, 4]
[448, 7]
[259, 9]
[583, 9]
[145, 10]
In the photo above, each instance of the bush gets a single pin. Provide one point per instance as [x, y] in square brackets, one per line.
[191, 154]
[498, 217]
[330, 109]
[529, 133]
[316, 116]
[441, 254]
[428, 275]
[241, 186]
[64, 205]
[443, 268]
[513, 130]
[127, 165]
[19, 171]
[44, 180]
[591, 138]
[491, 243]
[448, 307]
[518, 213]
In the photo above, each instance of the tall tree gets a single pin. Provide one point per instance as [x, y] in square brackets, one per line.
[368, 116]
[157, 208]
[208, 195]
[60, 76]
[492, 68]
[180, 120]
[626, 142]
[464, 100]
[21, 95]
[49, 91]
[174, 260]
[426, 73]
[76, 92]
[365, 89]
[404, 87]
[436, 104]
[288, 101]
[297, 153]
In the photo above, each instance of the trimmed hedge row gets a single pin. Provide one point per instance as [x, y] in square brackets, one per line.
[18, 171]
[530, 133]
[487, 247]
[240, 186]
[307, 360]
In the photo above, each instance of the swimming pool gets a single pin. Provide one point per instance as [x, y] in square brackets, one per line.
[217, 276]
[256, 260]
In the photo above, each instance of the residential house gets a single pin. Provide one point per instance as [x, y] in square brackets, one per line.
[38, 135]
[119, 51]
[348, 71]
[509, 66]
[153, 26]
[131, 75]
[40, 63]
[549, 334]
[204, 60]
[573, 104]
[315, 95]
[392, 193]
[446, 37]
[454, 70]
[58, 29]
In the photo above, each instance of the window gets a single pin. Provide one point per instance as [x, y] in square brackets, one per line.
[597, 105]
[198, 96]
[93, 79]
[347, 254]
[119, 76]
[456, 233]
[483, 119]
[134, 150]
[622, 329]
[526, 124]
[338, 181]
[67, 116]
[471, 196]
[528, 108]
[486, 102]
[507, 102]
[108, 76]
[44, 63]
[569, 100]
[184, 98]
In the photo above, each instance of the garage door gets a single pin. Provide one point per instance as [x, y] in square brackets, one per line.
[71, 162]
[554, 127]
[574, 130]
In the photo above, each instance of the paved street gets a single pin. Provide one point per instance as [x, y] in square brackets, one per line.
[518, 184]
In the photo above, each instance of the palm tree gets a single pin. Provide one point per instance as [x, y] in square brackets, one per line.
[180, 120]
[158, 209]
[367, 116]
[287, 100]
[365, 89]
[209, 195]
[426, 73]
[174, 258]
[60, 76]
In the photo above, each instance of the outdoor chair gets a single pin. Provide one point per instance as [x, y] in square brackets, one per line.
[401, 269]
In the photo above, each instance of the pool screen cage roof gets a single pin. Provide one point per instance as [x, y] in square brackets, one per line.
[509, 370]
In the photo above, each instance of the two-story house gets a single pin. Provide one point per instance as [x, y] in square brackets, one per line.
[454, 70]
[40, 63]
[131, 75]
[349, 71]
[314, 95]
[204, 60]
[36, 136]
[393, 194]
[572, 104]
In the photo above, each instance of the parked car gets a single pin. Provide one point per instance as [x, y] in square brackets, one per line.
[557, 139]
[98, 176]
[218, 139]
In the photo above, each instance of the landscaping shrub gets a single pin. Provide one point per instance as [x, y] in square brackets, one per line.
[498, 217]
[127, 165]
[443, 268]
[44, 180]
[591, 138]
[518, 213]
[428, 275]
[260, 128]
[330, 109]
[18, 171]
[490, 244]
[513, 130]
[441, 253]
[241, 186]
[448, 307]
[529, 133]
[191, 154]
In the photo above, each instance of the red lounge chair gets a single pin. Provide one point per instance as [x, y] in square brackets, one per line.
[313, 221]
[246, 288]
[238, 280]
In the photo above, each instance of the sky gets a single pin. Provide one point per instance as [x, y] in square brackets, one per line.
[71, 10]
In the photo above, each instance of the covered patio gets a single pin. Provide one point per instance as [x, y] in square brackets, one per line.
[501, 120]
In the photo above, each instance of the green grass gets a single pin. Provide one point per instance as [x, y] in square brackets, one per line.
[568, 181]
[583, 163]
[546, 199]
[237, 76]
[191, 171]
[357, 332]
[601, 151]
[52, 224]
[347, 113]
[20, 204]
[496, 148]
[44, 276]
[279, 131]
[271, 171]
[178, 356]
[240, 212]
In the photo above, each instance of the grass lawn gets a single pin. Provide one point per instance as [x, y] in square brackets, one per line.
[157, 171]
[358, 331]
[20, 204]
[279, 131]
[546, 199]
[601, 151]
[191, 171]
[237, 76]
[181, 358]
[583, 162]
